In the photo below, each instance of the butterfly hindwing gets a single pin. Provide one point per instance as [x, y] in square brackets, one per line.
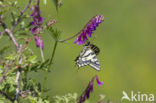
[95, 65]
[88, 57]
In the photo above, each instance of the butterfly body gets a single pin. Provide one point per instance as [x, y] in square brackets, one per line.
[88, 57]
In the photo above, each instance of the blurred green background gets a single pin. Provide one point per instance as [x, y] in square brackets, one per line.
[127, 40]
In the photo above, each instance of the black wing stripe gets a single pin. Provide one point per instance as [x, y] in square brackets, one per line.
[95, 66]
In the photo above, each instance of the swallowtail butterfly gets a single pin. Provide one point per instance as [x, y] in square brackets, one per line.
[88, 56]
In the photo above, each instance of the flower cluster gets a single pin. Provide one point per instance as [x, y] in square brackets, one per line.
[36, 23]
[89, 89]
[88, 29]
[37, 19]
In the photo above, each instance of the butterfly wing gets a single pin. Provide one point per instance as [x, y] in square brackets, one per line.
[94, 63]
[88, 57]
[82, 60]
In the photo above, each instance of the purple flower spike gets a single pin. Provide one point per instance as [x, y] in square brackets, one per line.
[89, 89]
[87, 92]
[39, 42]
[36, 24]
[88, 29]
[100, 83]
[37, 19]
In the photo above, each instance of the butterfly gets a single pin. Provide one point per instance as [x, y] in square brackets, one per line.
[88, 56]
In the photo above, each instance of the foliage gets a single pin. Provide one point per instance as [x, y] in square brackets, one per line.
[68, 98]
[16, 84]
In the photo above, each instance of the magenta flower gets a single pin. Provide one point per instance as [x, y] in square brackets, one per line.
[37, 19]
[39, 42]
[88, 29]
[100, 83]
[87, 92]
[89, 89]
[36, 23]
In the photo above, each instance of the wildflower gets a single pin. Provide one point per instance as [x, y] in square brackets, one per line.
[39, 42]
[37, 19]
[100, 83]
[87, 92]
[36, 23]
[89, 89]
[88, 29]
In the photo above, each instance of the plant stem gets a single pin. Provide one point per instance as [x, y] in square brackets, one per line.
[42, 55]
[20, 16]
[68, 38]
[50, 63]
[7, 96]
[53, 53]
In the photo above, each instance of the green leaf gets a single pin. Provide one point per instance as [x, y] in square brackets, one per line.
[1, 70]
[3, 49]
[44, 65]
[14, 4]
[2, 100]
[2, 11]
[32, 59]
[10, 57]
[54, 33]
[68, 98]
[1, 2]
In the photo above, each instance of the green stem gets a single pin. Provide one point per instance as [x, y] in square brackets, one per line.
[68, 38]
[42, 55]
[50, 63]
[52, 55]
